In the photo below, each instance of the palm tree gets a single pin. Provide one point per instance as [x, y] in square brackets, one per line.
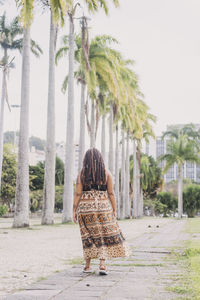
[123, 182]
[69, 158]
[100, 78]
[127, 202]
[104, 109]
[182, 147]
[21, 216]
[102, 83]
[117, 168]
[135, 185]
[10, 40]
[50, 153]
[57, 12]
[111, 150]
[142, 130]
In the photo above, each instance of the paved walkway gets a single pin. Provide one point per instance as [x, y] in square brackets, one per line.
[144, 275]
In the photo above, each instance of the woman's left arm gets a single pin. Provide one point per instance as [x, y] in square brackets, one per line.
[77, 196]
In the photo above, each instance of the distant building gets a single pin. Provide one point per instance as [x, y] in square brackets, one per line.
[158, 147]
[60, 152]
[35, 156]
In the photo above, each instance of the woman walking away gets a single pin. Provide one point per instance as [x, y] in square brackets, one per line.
[95, 209]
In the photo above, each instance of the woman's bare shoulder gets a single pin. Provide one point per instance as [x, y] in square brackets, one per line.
[108, 174]
[78, 180]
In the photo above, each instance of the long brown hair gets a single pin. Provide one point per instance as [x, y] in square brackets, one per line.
[93, 171]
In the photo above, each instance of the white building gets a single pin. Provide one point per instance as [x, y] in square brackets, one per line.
[158, 147]
[35, 156]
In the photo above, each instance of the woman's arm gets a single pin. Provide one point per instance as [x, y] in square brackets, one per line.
[111, 193]
[77, 196]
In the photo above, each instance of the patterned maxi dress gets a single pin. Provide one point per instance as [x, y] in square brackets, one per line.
[100, 232]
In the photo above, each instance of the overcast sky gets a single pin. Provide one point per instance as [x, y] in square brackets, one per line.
[161, 36]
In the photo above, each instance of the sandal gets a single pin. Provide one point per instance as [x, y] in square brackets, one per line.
[103, 270]
[87, 270]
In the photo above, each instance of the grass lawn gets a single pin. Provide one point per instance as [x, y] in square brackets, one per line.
[192, 254]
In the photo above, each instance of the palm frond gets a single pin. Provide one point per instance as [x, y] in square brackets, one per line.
[26, 11]
[64, 85]
[35, 48]
[61, 53]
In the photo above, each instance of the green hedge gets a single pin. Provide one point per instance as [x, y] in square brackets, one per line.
[36, 198]
[168, 203]
[191, 199]
[3, 210]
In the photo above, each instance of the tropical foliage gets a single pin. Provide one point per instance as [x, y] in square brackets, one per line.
[151, 176]
[9, 169]
[168, 201]
[182, 146]
[191, 199]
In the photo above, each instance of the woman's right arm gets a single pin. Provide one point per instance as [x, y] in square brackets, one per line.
[77, 196]
[111, 193]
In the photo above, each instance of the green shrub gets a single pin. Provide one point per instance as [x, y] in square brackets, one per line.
[169, 203]
[191, 199]
[59, 198]
[36, 176]
[8, 180]
[36, 198]
[149, 204]
[160, 208]
[154, 206]
[3, 210]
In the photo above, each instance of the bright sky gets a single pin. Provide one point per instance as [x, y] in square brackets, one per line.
[163, 38]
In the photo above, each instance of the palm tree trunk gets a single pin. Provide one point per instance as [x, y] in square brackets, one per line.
[127, 179]
[141, 202]
[111, 151]
[135, 206]
[117, 171]
[122, 207]
[103, 137]
[180, 192]
[69, 155]
[138, 183]
[21, 215]
[49, 177]
[82, 127]
[1, 122]
[92, 134]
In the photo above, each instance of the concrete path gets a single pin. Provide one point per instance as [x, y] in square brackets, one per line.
[144, 275]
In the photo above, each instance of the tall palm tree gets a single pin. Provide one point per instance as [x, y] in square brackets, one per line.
[117, 168]
[57, 12]
[111, 150]
[10, 40]
[69, 158]
[127, 202]
[135, 185]
[21, 216]
[142, 129]
[104, 109]
[182, 147]
[50, 153]
[123, 182]
[100, 78]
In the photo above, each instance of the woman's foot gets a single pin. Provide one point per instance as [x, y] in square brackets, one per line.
[102, 268]
[87, 268]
